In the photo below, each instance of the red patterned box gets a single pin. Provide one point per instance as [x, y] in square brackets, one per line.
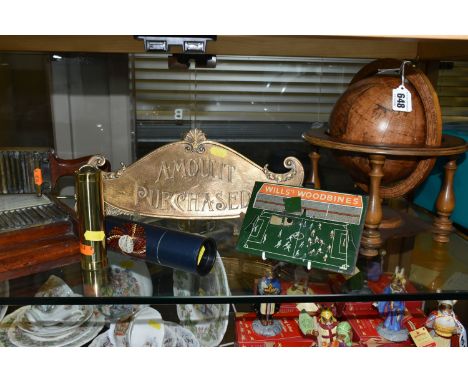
[290, 336]
[360, 310]
[364, 324]
[377, 287]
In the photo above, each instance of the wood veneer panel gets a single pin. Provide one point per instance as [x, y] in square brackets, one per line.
[39, 256]
[236, 45]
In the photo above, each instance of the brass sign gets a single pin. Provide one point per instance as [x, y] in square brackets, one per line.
[190, 179]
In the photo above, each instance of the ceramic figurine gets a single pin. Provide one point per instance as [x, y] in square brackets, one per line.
[344, 334]
[266, 325]
[323, 328]
[444, 326]
[393, 311]
[306, 323]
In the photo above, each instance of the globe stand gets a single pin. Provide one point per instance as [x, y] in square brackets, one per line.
[371, 240]
[390, 219]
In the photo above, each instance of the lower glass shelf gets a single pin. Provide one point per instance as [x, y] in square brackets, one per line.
[222, 307]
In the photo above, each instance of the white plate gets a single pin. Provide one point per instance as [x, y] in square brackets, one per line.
[186, 335]
[128, 278]
[4, 292]
[171, 339]
[208, 322]
[138, 269]
[11, 335]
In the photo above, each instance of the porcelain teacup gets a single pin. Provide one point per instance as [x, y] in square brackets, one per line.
[53, 287]
[146, 328]
[64, 314]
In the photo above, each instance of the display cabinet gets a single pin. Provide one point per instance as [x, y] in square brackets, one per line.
[62, 305]
[212, 306]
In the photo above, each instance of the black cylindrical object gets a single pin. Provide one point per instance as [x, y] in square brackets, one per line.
[179, 250]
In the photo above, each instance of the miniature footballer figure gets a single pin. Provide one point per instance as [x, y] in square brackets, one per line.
[393, 311]
[444, 327]
[266, 325]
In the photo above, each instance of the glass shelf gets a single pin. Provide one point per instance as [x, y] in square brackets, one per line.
[434, 271]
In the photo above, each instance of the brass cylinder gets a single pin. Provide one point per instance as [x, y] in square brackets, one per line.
[95, 283]
[90, 210]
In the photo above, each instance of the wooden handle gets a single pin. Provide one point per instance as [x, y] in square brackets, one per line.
[62, 167]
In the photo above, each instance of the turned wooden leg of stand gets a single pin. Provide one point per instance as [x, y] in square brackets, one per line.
[445, 204]
[371, 240]
[314, 176]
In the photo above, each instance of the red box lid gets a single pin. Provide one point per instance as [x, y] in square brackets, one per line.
[291, 335]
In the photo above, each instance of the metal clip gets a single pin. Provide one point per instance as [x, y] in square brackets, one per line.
[194, 46]
[190, 44]
[396, 71]
[158, 46]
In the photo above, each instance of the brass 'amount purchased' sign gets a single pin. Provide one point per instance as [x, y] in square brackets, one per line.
[190, 179]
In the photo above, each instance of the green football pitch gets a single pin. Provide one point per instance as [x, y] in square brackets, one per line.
[314, 243]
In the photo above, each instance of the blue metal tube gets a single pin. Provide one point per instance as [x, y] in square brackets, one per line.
[179, 250]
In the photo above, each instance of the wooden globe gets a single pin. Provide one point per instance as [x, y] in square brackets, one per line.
[363, 115]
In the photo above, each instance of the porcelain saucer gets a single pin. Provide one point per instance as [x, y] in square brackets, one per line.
[208, 322]
[41, 329]
[11, 335]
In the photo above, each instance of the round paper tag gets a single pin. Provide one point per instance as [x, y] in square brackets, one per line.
[126, 244]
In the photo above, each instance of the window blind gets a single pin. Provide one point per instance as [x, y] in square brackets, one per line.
[452, 88]
[261, 89]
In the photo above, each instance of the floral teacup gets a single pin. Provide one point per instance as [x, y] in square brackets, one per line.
[146, 329]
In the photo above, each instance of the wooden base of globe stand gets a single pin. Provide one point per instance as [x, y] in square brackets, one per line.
[371, 241]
